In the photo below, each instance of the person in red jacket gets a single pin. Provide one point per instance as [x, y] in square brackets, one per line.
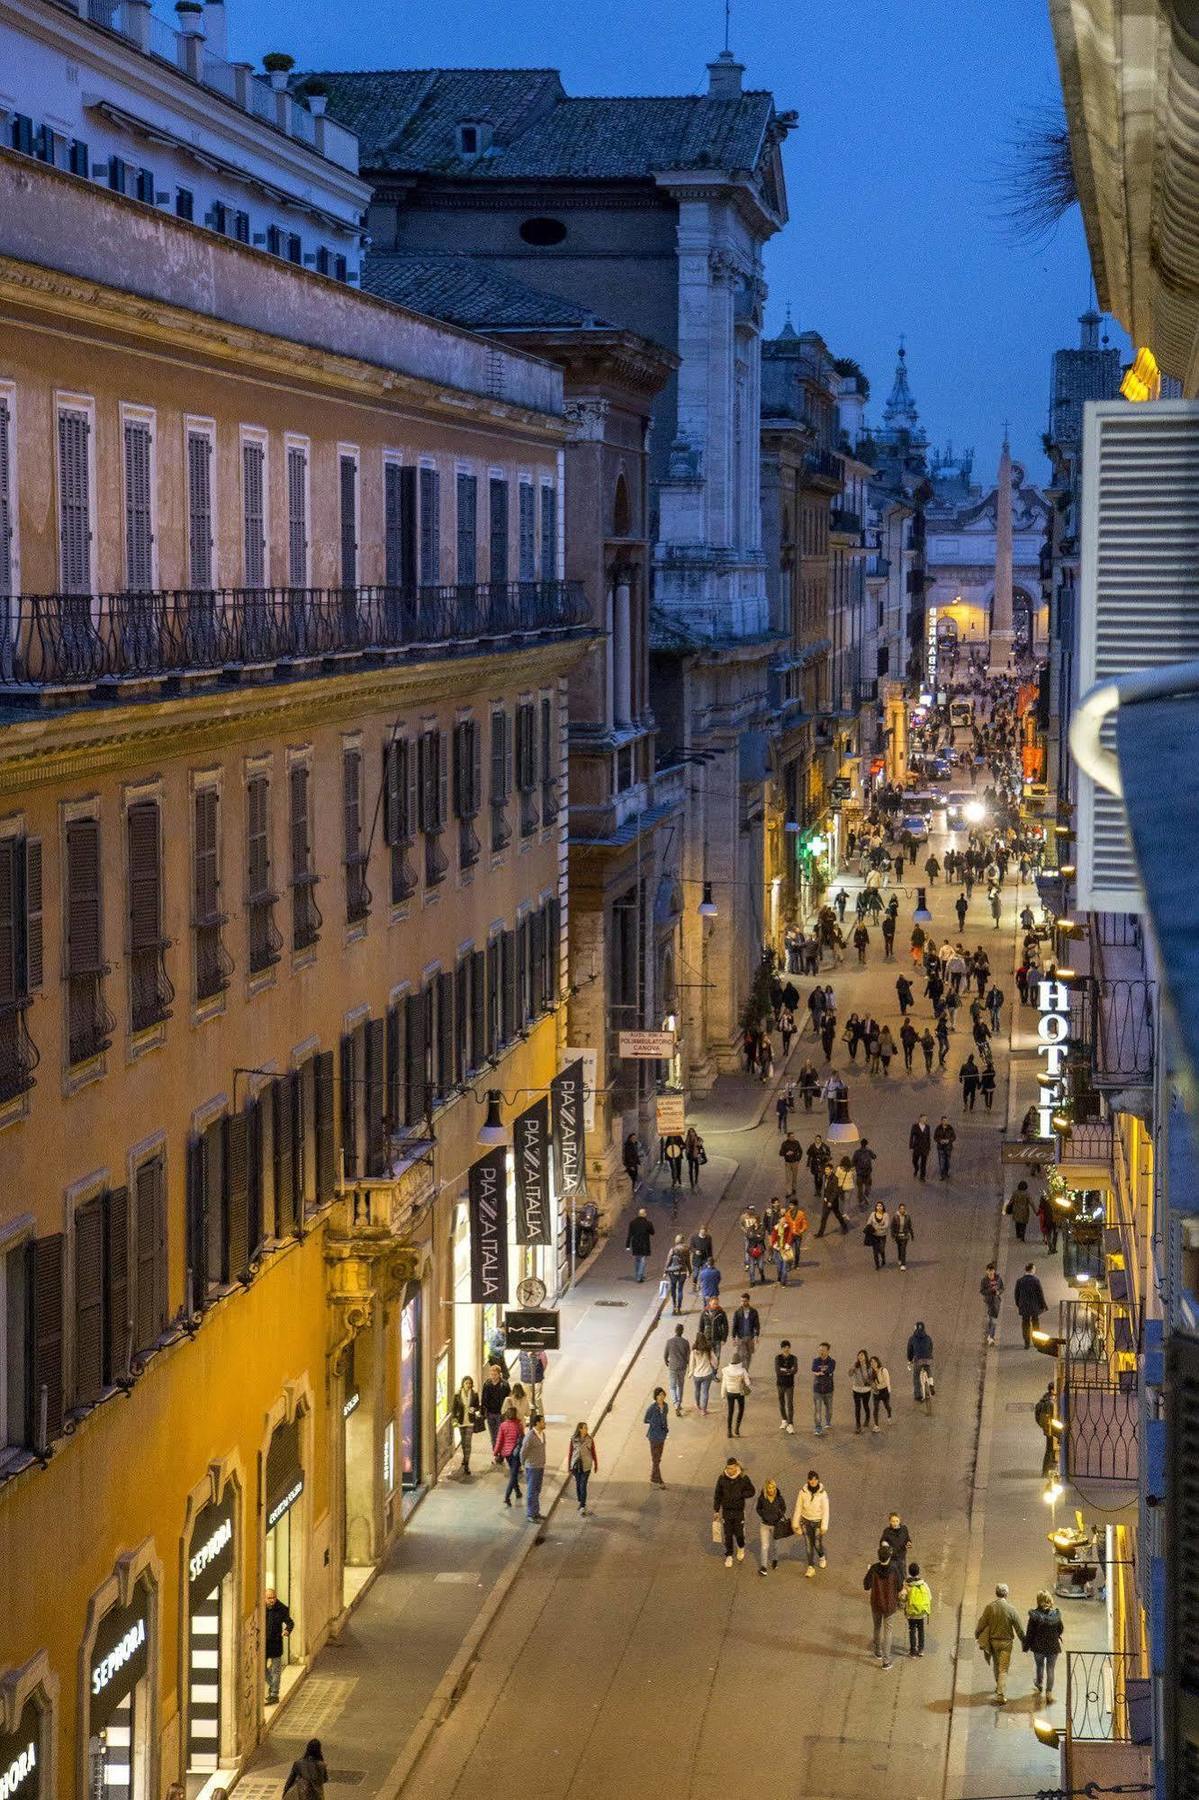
[507, 1449]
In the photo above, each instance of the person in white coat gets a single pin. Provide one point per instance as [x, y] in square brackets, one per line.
[811, 1518]
[735, 1385]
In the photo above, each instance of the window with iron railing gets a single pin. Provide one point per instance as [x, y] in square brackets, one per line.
[266, 942]
[305, 914]
[501, 779]
[526, 767]
[358, 894]
[467, 790]
[432, 793]
[89, 1023]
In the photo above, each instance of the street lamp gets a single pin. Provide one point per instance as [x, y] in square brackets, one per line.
[707, 906]
[491, 1131]
[841, 1128]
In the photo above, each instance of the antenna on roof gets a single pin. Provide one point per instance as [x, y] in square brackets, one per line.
[727, 10]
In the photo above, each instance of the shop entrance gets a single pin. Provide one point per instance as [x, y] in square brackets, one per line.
[411, 1473]
[358, 1428]
[21, 1756]
[119, 1702]
[210, 1649]
[283, 1562]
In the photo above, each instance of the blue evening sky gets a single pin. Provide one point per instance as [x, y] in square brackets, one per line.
[904, 107]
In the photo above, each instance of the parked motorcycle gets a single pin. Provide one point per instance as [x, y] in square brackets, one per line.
[586, 1229]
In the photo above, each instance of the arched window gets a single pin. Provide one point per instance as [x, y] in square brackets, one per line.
[620, 509]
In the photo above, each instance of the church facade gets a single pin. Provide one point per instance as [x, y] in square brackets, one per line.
[961, 518]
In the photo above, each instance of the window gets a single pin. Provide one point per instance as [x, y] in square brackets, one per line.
[274, 240]
[199, 509]
[74, 501]
[467, 571]
[324, 260]
[265, 941]
[150, 991]
[340, 269]
[139, 507]
[416, 1058]
[430, 527]
[305, 917]
[477, 1052]
[549, 532]
[150, 1253]
[399, 815]
[494, 978]
[497, 558]
[295, 248]
[348, 520]
[501, 779]
[213, 967]
[253, 499]
[241, 227]
[358, 894]
[80, 158]
[444, 1075]
[102, 1315]
[8, 505]
[399, 525]
[219, 217]
[549, 784]
[89, 1022]
[468, 783]
[507, 987]
[145, 186]
[526, 766]
[120, 175]
[432, 781]
[297, 515]
[543, 233]
[185, 203]
[16, 1322]
[468, 140]
[208, 1215]
[22, 134]
[46, 148]
[20, 959]
[527, 551]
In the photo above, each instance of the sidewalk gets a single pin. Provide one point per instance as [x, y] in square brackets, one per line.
[377, 1694]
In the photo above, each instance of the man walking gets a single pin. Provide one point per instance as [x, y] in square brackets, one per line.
[824, 1366]
[882, 1582]
[747, 1329]
[677, 1356]
[997, 1630]
[831, 1203]
[920, 1142]
[657, 1429]
[1019, 1209]
[1045, 1413]
[639, 1241]
[1030, 1301]
[532, 1456]
[277, 1624]
[944, 1137]
[991, 1289]
[909, 1037]
[733, 1488]
[791, 1152]
[786, 1368]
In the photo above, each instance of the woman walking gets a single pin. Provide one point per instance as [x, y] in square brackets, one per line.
[1043, 1641]
[886, 1049]
[697, 1156]
[678, 1267]
[903, 1231]
[508, 1440]
[308, 1773]
[851, 1035]
[811, 1517]
[772, 1512]
[581, 1459]
[875, 1234]
[522, 1406]
[861, 1387]
[735, 1385]
[702, 1370]
[880, 1390]
[468, 1418]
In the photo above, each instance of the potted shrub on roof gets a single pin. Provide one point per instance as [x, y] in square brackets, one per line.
[278, 65]
[317, 95]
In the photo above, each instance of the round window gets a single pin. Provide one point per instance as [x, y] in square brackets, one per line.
[543, 232]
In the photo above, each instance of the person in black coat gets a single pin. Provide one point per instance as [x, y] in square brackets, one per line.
[733, 1488]
[1030, 1300]
[920, 1142]
[1043, 1641]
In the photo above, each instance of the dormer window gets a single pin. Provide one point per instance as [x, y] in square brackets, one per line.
[473, 137]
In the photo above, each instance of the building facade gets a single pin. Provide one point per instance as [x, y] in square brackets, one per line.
[282, 898]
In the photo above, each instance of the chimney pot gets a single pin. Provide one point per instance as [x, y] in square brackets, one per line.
[724, 77]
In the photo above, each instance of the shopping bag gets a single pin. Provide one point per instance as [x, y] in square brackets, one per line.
[717, 1533]
[784, 1529]
[663, 1288]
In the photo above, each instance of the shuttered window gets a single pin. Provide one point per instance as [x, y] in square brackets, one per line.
[199, 509]
[88, 1020]
[477, 1053]
[149, 1225]
[213, 967]
[462, 1005]
[150, 993]
[549, 532]
[253, 499]
[48, 1303]
[551, 938]
[237, 1182]
[118, 1295]
[522, 975]
[393, 531]
[549, 769]
[89, 1303]
[139, 508]
[501, 779]
[416, 1021]
[430, 527]
[74, 502]
[297, 516]
[286, 1198]
[432, 783]
[527, 560]
[265, 942]
[375, 1100]
[306, 919]
[526, 766]
[468, 531]
[399, 815]
[20, 958]
[7, 498]
[326, 1136]
[358, 894]
[468, 782]
[497, 553]
[348, 502]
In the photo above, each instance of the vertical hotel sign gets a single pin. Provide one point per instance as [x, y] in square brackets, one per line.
[567, 1099]
[531, 1155]
[488, 1206]
[1053, 1043]
[930, 652]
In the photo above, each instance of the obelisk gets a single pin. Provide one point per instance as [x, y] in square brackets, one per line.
[1001, 606]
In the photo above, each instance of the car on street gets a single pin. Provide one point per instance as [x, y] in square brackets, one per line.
[923, 802]
[917, 824]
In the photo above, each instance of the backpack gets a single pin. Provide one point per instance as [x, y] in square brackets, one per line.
[919, 1601]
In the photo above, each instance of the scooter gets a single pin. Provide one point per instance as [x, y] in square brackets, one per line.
[586, 1229]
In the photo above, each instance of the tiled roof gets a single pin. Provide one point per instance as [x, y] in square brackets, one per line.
[406, 120]
[468, 293]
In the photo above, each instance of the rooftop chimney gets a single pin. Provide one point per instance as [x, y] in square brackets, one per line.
[724, 77]
[1089, 338]
[214, 24]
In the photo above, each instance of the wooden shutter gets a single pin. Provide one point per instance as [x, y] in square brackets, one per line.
[349, 1098]
[552, 937]
[258, 863]
[300, 1146]
[408, 527]
[430, 527]
[297, 516]
[348, 500]
[494, 989]
[253, 466]
[527, 519]
[443, 778]
[199, 509]
[522, 974]
[207, 866]
[508, 987]
[376, 1140]
[467, 572]
[475, 766]
[74, 502]
[299, 821]
[145, 876]
[262, 1168]
[9, 920]
[427, 780]
[33, 947]
[284, 1158]
[7, 500]
[392, 803]
[118, 1317]
[497, 550]
[549, 532]
[216, 1206]
[197, 1229]
[47, 1263]
[139, 522]
[394, 1097]
[150, 1285]
[445, 1033]
[393, 525]
[462, 981]
[478, 1009]
[536, 956]
[89, 1302]
[351, 769]
[415, 1058]
[237, 1153]
[84, 954]
[326, 1130]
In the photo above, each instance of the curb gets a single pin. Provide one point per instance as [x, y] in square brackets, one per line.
[453, 1682]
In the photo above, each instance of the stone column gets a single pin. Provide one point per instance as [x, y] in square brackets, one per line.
[1001, 606]
[622, 646]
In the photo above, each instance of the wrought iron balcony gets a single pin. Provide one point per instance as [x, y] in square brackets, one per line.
[825, 464]
[878, 566]
[306, 920]
[358, 894]
[214, 965]
[151, 991]
[549, 802]
[1099, 1402]
[403, 875]
[18, 1053]
[849, 523]
[266, 942]
[1109, 1721]
[468, 843]
[501, 825]
[90, 1024]
[94, 640]
[529, 817]
[1125, 1036]
[866, 692]
[437, 863]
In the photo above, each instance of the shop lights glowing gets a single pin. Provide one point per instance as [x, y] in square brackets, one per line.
[19, 1770]
[1053, 1038]
[930, 650]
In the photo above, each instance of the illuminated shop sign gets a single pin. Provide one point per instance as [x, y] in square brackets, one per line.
[20, 1762]
[351, 1404]
[212, 1548]
[930, 647]
[285, 1504]
[120, 1657]
[1053, 1043]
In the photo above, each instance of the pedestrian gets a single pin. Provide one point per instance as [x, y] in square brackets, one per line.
[830, 1204]
[492, 1395]
[755, 1254]
[920, 1357]
[582, 1459]
[308, 1773]
[522, 1406]
[863, 1161]
[1030, 1300]
[991, 1289]
[1047, 1220]
[277, 1623]
[709, 1281]
[467, 1415]
[851, 1036]
[920, 1142]
[715, 1326]
[895, 1538]
[735, 1384]
[747, 1329]
[960, 907]
[995, 999]
[533, 1364]
[878, 1225]
[532, 1458]
[657, 1429]
[944, 1137]
[905, 993]
[808, 1082]
[1019, 1211]
[765, 1057]
[888, 936]
[702, 1370]
[639, 1241]
[928, 1044]
[697, 1156]
[774, 1522]
[701, 1252]
[942, 1041]
[674, 1159]
[880, 1390]
[824, 1368]
[733, 1488]
[968, 1076]
[786, 1030]
[811, 1518]
[881, 1582]
[819, 1157]
[632, 1161]
[886, 1049]
[986, 1083]
[782, 1107]
[828, 1034]
[903, 1231]
[786, 1368]
[861, 939]
[1045, 1413]
[997, 1630]
[859, 1387]
[1043, 1639]
[909, 1037]
[791, 1155]
[915, 1596]
[678, 1267]
[932, 869]
[677, 1356]
[995, 905]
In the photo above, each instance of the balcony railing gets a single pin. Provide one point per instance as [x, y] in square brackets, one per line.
[266, 941]
[468, 843]
[1124, 1032]
[866, 691]
[151, 990]
[501, 825]
[403, 875]
[878, 566]
[214, 965]
[74, 640]
[549, 802]
[1100, 1399]
[306, 920]
[846, 521]
[825, 463]
[529, 819]
[436, 861]
[90, 1025]
[358, 894]
[18, 1053]
[1108, 1699]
